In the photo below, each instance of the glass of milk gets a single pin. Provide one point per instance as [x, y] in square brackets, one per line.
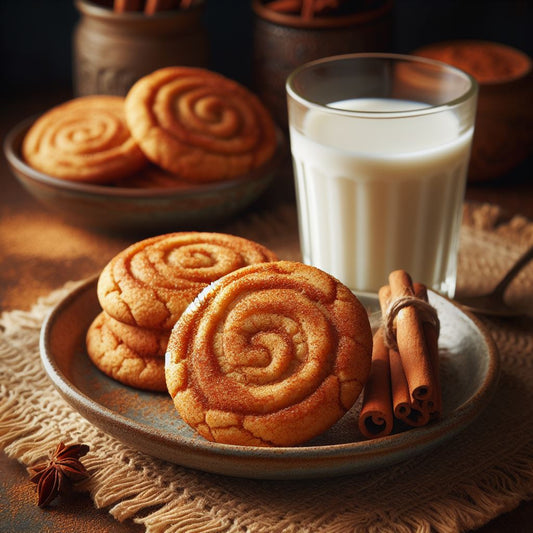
[380, 146]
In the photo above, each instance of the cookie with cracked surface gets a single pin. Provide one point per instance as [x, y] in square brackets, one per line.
[150, 283]
[199, 125]
[145, 342]
[85, 140]
[270, 355]
[118, 361]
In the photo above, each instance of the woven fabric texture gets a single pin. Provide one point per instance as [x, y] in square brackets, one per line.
[484, 471]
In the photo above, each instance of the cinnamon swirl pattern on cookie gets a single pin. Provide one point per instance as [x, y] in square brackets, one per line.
[150, 283]
[198, 124]
[84, 140]
[270, 355]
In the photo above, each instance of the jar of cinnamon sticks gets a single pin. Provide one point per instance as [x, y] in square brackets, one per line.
[117, 42]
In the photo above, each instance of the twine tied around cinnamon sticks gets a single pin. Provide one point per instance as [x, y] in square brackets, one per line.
[427, 311]
[403, 389]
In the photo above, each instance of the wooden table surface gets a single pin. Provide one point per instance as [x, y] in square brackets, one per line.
[40, 252]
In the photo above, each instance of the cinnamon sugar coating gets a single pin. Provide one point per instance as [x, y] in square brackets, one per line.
[198, 124]
[85, 139]
[119, 361]
[270, 355]
[145, 342]
[150, 283]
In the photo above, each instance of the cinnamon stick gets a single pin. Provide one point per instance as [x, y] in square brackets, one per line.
[412, 413]
[153, 6]
[411, 342]
[308, 9]
[375, 419]
[285, 6]
[322, 5]
[431, 335]
[123, 6]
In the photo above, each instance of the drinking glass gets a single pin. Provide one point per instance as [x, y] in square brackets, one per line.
[380, 146]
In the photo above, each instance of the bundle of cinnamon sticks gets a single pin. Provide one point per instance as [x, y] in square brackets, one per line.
[403, 389]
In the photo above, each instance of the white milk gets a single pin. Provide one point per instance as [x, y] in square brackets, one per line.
[375, 195]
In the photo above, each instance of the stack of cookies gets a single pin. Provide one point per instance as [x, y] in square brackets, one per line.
[253, 351]
[183, 125]
[145, 289]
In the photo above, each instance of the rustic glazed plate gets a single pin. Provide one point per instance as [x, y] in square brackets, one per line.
[127, 209]
[148, 421]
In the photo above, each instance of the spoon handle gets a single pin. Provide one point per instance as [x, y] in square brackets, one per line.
[517, 267]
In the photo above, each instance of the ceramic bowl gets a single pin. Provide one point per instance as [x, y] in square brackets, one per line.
[123, 209]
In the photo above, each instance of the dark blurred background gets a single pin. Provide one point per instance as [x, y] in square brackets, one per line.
[35, 46]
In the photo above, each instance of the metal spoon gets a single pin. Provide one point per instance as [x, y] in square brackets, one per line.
[493, 302]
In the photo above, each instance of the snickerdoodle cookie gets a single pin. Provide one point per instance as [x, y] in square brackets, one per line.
[270, 355]
[150, 283]
[119, 361]
[85, 140]
[199, 124]
[144, 341]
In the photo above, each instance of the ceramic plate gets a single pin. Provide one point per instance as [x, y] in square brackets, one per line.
[148, 421]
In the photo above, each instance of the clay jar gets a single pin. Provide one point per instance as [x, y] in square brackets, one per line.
[504, 120]
[283, 42]
[113, 50]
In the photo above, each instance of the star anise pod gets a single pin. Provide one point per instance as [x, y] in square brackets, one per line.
[63, 466]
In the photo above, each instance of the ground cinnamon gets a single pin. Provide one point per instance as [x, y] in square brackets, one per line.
[488, 62]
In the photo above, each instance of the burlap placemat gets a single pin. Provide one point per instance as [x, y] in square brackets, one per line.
[484, 471]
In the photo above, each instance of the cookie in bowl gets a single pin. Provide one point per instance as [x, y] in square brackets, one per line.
[199, 125]
[84, 140]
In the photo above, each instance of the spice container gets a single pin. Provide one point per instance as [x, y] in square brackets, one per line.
[112, 50]
[502, 137]
[284, 41]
